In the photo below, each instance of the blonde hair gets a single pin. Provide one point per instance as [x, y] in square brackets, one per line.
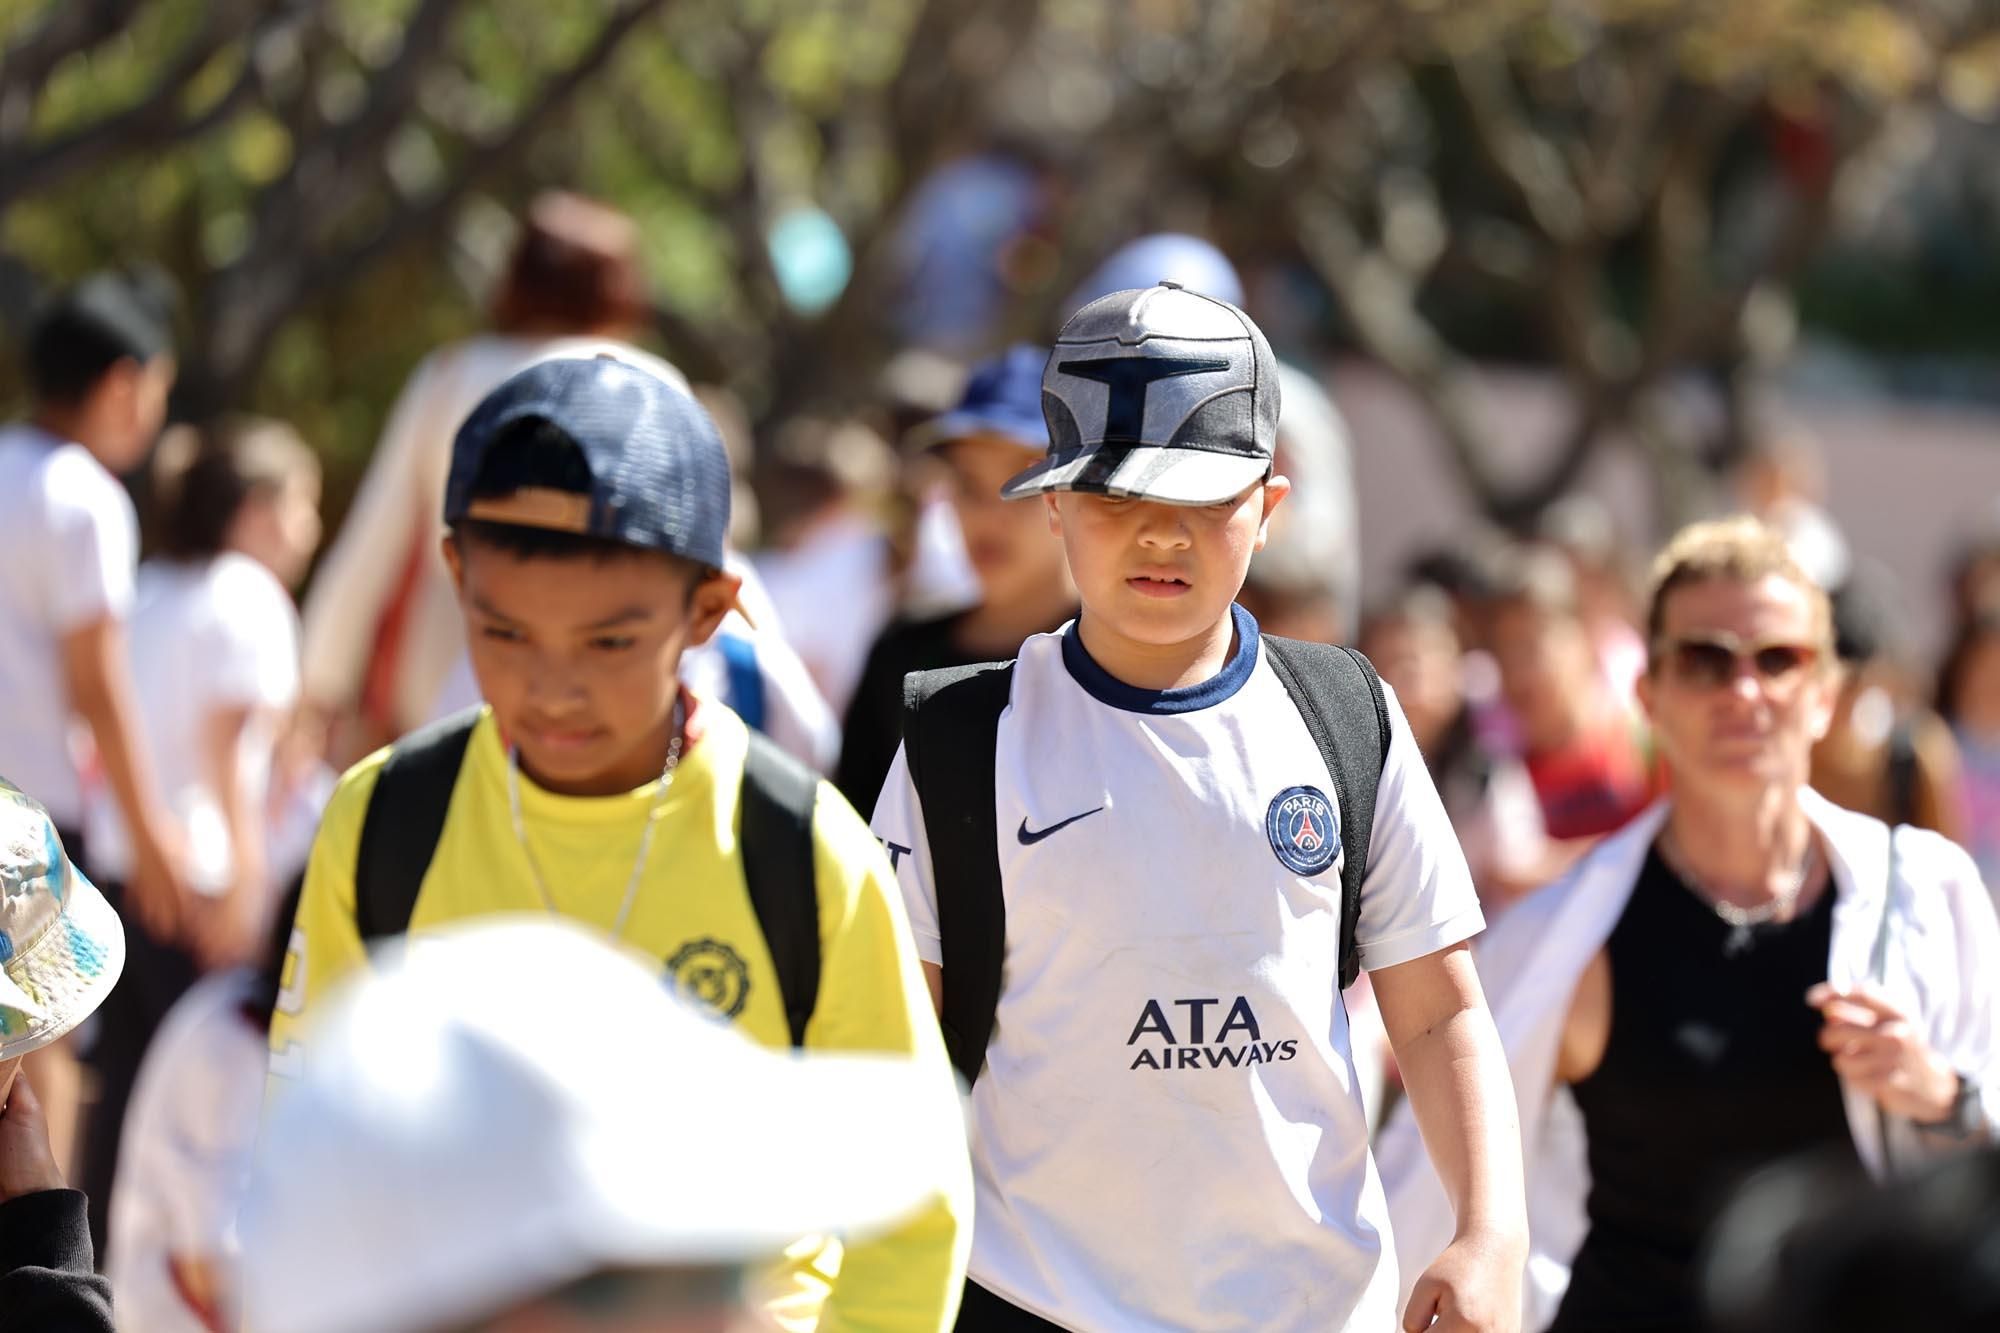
[1740, 549]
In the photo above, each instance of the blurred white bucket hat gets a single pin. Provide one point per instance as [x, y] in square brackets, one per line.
[505, 1107]
[61, 944]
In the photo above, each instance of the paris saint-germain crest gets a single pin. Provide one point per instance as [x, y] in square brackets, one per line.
[1304, 830]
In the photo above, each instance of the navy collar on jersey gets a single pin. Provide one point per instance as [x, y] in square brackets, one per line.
[1107, 689]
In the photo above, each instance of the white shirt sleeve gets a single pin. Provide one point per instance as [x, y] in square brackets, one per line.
[256, 665]
[94, 543]
[1418, 896]
[899, 823]
[1967, 1032]
[358, 577]
[796, 715]
[186, 1154]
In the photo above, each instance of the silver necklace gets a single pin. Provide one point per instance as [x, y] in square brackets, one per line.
[645, 837]
[1742, 920]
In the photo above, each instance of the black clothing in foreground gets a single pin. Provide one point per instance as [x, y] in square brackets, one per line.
[873, 727]
[156, 976]
[983, 1312]
[46, 1280]
[1711, 1072]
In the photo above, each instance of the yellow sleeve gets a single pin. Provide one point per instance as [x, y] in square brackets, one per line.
[872, 998]
[325, 945]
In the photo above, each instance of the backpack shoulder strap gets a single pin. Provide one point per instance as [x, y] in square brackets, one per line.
[404, 819]
[1340, 697]
[779, 794]
[951, 720]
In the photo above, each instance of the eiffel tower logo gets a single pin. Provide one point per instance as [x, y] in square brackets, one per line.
[1307, 835]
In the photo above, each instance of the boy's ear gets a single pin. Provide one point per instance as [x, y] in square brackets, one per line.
[453, 562]
[1275, 491]
[1055, 514]
[712, 599]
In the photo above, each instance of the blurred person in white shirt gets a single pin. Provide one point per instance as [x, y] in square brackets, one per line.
[382, 628]
[99, 362]
[190, 1132]
[384, 640]
[825, 489]
[214, 644]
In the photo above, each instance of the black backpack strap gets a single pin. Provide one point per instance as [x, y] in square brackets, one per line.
[405, 817]
[951, 720]
[1340, 697]
[779, 794]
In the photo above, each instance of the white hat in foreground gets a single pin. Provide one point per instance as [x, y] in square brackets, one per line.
[61, 945]
[503, 1108]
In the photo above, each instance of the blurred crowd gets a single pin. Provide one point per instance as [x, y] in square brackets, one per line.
[183, 719]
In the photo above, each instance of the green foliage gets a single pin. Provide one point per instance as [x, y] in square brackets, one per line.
[318, 279]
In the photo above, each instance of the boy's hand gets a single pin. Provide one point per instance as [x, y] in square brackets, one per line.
[157, 892]
[27, 1163]
[226, 931]
[1474, 1287]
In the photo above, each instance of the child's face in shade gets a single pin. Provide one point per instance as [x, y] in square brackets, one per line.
[1161, 574]
[579, 656]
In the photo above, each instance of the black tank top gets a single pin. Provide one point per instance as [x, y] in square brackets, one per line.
[1712, 1070]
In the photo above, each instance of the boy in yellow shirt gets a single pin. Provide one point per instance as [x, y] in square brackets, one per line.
[586, 509]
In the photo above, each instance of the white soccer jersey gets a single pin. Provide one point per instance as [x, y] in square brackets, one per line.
[1168, 1133]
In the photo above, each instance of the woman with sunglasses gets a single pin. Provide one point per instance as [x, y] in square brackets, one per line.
[1744, 972]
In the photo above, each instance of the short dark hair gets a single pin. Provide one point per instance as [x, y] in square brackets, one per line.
[1867, 619]
[1420, 604]
[1537, 578]
[85, 331]
[203, 476]
[536, 452]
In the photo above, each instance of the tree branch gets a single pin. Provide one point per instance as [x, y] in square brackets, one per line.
[314, 196]
[69, 28]
[148, 122]
[1381, 308]
[284, 288]
[1522, 159]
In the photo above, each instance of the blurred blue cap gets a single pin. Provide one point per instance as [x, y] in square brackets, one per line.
[1003, 396]
[659, 475]
[1164, 257]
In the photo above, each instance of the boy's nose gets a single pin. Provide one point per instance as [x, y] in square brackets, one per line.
[1164, 529]
[554, 690]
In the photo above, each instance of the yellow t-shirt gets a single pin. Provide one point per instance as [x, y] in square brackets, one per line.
[692, 911]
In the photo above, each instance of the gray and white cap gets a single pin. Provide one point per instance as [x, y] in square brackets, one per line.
[1158, 393]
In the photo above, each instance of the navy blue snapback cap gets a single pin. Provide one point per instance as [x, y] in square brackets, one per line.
[1003, 396]
[659, 475]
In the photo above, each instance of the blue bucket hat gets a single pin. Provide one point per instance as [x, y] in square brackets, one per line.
[1003, 396]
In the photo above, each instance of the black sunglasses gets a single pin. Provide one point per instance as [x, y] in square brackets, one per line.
[1710, 661]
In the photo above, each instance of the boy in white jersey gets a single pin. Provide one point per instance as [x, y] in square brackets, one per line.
[1167, 1131]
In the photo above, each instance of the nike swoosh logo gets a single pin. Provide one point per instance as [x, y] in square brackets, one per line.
[1029, 837]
